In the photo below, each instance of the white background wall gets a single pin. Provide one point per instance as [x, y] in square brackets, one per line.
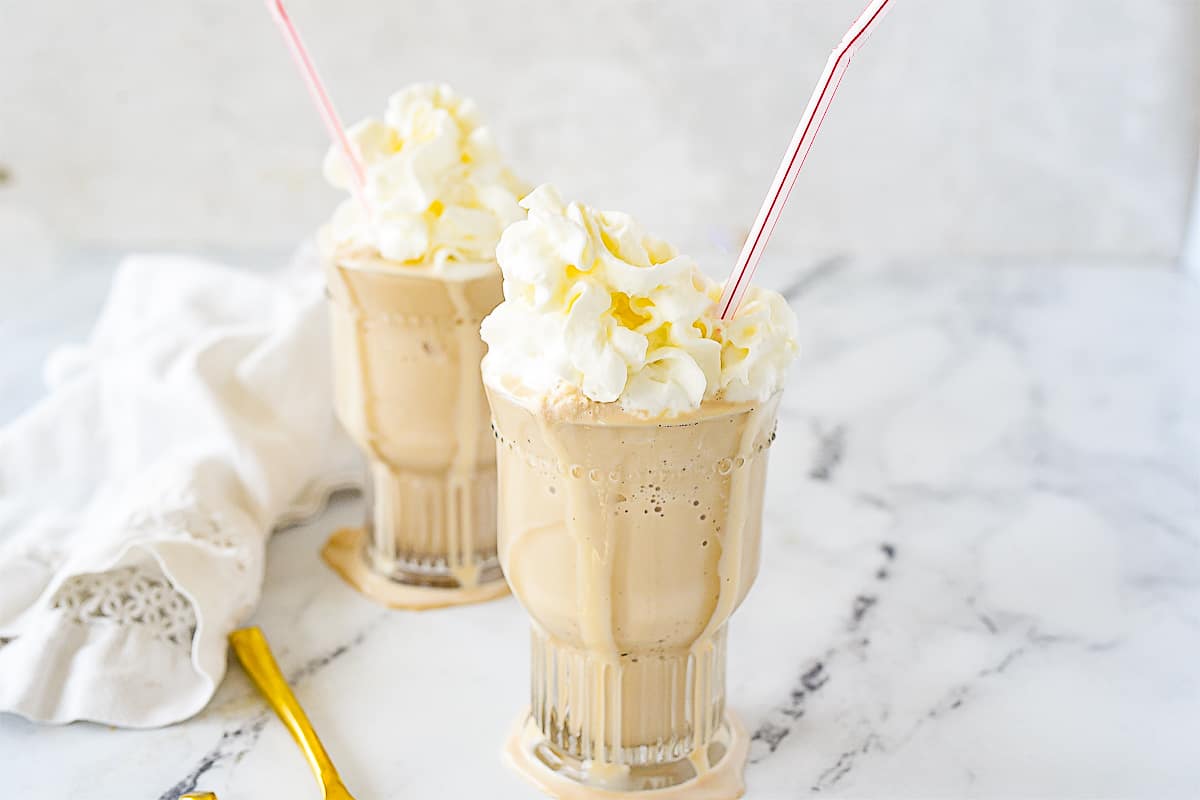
[1030, 128]
[1191, 244]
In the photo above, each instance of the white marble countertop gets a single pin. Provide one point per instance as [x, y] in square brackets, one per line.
[981, 577]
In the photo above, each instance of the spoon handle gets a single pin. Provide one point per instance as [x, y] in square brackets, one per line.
[255, 654]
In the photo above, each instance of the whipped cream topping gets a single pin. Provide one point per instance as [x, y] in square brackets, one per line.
[435, 181]
[594, 305]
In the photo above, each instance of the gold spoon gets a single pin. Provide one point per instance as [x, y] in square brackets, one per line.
[255, 654]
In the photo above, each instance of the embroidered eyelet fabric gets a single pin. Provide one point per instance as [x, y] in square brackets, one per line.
[136, 499]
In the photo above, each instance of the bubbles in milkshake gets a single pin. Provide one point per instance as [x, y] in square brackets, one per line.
[676, 492]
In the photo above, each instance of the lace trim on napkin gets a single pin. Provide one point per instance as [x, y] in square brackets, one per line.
[140, 594]
[128, 596]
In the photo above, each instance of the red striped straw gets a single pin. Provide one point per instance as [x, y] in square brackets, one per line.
[321, 100]
[793, 159]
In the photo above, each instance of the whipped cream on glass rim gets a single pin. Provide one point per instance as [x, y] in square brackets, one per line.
[596, 310]
[439, 190]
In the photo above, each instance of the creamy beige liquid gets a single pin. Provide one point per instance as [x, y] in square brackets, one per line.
[630, 543]
[406, 353]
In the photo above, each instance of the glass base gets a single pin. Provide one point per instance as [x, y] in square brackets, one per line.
[628, 721]
[634, 777]
[722, 778]
[433, 530]
[344, 553]
[432, 573]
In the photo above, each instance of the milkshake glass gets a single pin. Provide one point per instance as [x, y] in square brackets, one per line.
[630, 542]
[632, 431]
[410, 273]
[406, 353]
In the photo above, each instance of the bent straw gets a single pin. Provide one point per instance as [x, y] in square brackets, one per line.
[321, 100]
[793, 159]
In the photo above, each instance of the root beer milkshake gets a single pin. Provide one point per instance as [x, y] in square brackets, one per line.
[632, 431]
[408, 288]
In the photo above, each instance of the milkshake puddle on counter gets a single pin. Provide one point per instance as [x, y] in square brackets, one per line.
[409, 283]
[632, 429]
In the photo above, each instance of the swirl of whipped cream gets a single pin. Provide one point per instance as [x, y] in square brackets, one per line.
[439, 189]
[594, 304]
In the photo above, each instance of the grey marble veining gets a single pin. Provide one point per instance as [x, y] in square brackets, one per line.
[1020, 469]
[981, 577]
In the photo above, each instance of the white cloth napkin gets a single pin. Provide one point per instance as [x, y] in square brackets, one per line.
[136, 499]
